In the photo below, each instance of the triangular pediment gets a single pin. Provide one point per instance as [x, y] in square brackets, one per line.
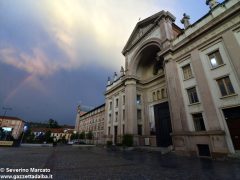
[142, 28]
[140, 32]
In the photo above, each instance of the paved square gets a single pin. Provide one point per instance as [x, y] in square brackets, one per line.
[67, 162]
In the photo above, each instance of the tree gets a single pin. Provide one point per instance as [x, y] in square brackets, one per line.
[53, 124]
[48, 137]
[63, 139]
[74, 136]
[40, 138]
[90, 135]
[82, 135]
[2, 133]
[28, 136]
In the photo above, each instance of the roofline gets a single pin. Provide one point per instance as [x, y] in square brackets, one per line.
[177, 27]
[200, 30]
[11, 118]
[93, 110]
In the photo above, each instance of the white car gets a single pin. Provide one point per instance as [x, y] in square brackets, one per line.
[70, 142]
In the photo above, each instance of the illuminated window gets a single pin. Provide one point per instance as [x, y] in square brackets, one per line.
[138, 99]
[215, 59]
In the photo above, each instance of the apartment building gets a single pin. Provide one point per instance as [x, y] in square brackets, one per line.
[92, 121]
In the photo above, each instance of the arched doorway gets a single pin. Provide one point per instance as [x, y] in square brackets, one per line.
[151, 86]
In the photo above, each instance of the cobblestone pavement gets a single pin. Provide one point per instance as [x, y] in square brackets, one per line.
[67, 162]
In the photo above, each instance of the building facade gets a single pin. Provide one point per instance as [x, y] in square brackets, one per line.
[92, 121]
[180, 88]
[12, 124]
[56, 133]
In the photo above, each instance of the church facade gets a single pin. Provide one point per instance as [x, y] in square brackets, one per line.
[180, 88]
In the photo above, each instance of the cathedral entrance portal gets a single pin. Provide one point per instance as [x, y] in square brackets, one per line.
[162, 125]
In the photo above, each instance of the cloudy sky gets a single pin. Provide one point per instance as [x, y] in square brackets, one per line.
[56, 54]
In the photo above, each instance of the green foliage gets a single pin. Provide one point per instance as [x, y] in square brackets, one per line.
[90, 135]
[63, 139]
[53, 124]
[82, 135]
[74, 136]
[28, 137]
[2, 133]
[48, 137]
[127, 140]
[38, 124]
[49, 124]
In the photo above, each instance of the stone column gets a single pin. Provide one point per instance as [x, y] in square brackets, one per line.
[146, 113]
[106, 118]
[131, 107]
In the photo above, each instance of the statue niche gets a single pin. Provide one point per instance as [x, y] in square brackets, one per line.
[158, 66]
[148, 65]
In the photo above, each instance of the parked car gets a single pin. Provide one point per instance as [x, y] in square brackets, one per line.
[70, 142]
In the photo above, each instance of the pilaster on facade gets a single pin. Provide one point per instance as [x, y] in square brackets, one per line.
[178, 114]
[131, 111]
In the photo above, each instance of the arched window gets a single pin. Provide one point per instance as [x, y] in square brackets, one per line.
[163, 93]
[154, 96]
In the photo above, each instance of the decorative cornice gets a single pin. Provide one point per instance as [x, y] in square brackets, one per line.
[197, 29]
[179, 48]
[199, 133]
